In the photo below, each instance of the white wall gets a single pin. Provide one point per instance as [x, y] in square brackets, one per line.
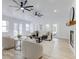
[12, 20]
[63, 31]
[11, 25]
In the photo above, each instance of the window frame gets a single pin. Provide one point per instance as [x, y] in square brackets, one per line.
[27, 27]
[5, 26]
[54, 26]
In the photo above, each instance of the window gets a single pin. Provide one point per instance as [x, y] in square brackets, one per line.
[35, 27]
[27, 27]
[40, 27]
[20, 28]
[15, 29]
[54, 28]
[4, 26]
[31, 28]
[47, 27]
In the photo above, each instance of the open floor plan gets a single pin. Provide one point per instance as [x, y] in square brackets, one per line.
[38, 29]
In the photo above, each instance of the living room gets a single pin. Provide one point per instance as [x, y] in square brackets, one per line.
[45, 23]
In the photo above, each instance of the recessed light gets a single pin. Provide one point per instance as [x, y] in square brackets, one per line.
[55, 11]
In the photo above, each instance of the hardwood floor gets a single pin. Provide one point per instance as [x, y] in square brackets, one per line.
[55, 49]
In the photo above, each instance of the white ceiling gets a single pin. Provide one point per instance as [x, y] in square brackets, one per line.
[46, 7]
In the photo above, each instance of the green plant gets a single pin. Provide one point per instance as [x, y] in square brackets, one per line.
[19, 36]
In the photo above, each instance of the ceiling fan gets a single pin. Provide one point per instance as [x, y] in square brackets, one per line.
[38, 14]
[22, 6]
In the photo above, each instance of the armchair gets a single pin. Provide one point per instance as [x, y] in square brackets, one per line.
[8, 42]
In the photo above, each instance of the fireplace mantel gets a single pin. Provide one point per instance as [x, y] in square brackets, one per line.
[71, 22]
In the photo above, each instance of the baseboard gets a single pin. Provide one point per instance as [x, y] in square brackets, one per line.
[62, 38]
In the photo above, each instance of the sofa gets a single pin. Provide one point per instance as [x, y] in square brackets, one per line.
[32, 50]
[47, 36]
[8, 42]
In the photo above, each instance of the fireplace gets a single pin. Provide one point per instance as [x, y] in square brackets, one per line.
[72, 38]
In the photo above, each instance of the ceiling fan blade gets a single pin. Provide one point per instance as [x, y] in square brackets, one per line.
[28, 6]
[13, 6]
[38, 14]
[28, 9]
[25, 2]
[17, 9]
[16, 2]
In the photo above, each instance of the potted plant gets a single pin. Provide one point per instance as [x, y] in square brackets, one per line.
[19, 36]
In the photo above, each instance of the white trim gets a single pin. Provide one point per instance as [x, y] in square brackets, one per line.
[72, 49]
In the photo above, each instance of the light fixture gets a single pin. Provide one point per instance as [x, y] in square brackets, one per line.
[22, 5]
[38, 14]
[22, 8]
[55, 11]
